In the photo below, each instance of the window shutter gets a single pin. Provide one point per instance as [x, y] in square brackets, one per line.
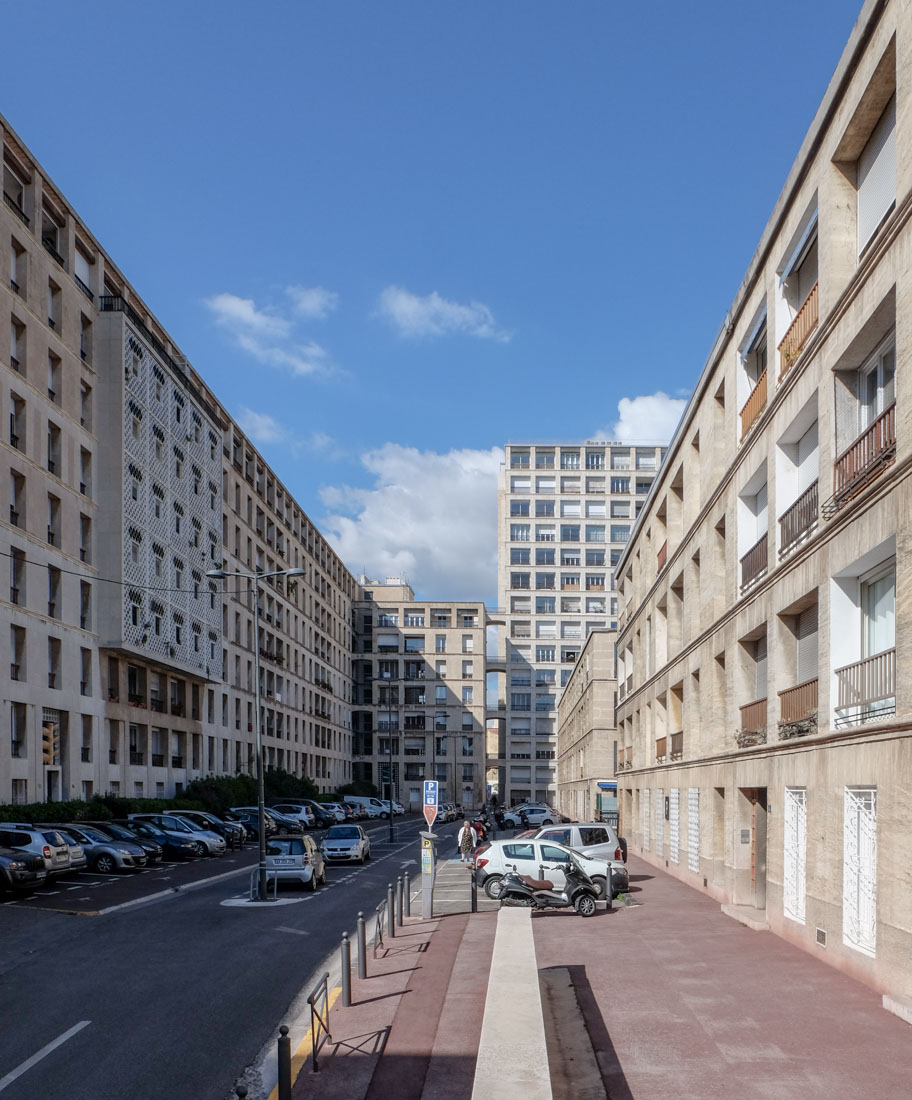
[877, 175]
[760, 658]
[807, 644]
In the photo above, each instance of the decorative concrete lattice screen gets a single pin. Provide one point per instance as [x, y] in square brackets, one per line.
[660, 822]
[171, 517]
[673, 837]
[646, 820]
[794, 862]
[859, 879]
[693, 829]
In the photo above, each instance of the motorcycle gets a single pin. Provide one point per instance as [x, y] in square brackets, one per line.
[578, 893]
[482, 827]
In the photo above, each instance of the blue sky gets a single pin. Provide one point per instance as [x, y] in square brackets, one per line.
[393, 236]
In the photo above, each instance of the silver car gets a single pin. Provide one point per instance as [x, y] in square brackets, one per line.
[346, 842]
[207, 843]
[105, 854]
[47, 843]
[296, 859]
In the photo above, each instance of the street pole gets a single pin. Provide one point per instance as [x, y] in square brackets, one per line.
[262, 883]
[389, 722]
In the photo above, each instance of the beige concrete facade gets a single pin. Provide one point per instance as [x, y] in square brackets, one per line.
[419, 711]
[764, 644]
[125, 481]
[587, 733]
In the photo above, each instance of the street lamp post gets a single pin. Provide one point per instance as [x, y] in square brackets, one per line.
[221, 574]
[389, 723]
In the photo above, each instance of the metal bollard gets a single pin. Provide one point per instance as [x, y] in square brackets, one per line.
[399, 901]
[346, 973]
[474, 891]
[390, 907]
[284, 1064]
[362, 947]
[406, 895]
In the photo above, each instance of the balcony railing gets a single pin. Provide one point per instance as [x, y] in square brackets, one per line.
[85, 290]
[662, 557]
[158, 759]
[798, 703]
[677, 745]
[798, 332]
[16, 208]
[867, 688]
[753, 723]
[798, 520]
[137, 757]
[754, 405]
[49, 247]
[755, 562]
[661, 749]
[863, 460]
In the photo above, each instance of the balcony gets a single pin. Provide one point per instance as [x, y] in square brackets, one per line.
[863, 460]
[50, 246]
[677, 746]
[158, 705]
[798, 332]
[798, 710]
[85, 290]
[867, 689]
[662, 557]
[755, 562]
[137, 757]
[661, 749]
[177, 761]
[798, 520]
[754, 406]
[753, 724]
[158, 759]
[16, 208]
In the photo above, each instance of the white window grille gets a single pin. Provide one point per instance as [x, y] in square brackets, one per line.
[673, 832]
[646, 820]
[693, 829]
[859, 874]
[794, 865]
[659, 821]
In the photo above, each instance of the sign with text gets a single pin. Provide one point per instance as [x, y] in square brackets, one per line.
[430, 802]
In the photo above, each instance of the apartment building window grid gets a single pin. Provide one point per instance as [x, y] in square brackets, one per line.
[859, 884]
[693, 829]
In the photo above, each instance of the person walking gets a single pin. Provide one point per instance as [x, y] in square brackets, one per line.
[467, 839]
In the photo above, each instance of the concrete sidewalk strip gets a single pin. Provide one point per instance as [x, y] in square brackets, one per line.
[512, 1047]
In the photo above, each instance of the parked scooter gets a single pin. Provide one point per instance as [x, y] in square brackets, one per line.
[482, 827]
[525, 892]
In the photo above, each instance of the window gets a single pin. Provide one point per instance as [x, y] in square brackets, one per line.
[440, 643]
[544, 653]
[519, 532]
[467, 693]
[544, 581]
[414, 643]
[17, 346]
[859, 876]
[17, 423]
[570, 532]
[620, 485]
[876, 175]
[544, 508]
[519, 556]
[795, 854]
[544, 556]
[519, 507]
[85, 405]
[545, 605]
[619, 532]
[520, 580]
[596, 533]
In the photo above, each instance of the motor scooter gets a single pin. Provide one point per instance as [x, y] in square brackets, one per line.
[578, 893]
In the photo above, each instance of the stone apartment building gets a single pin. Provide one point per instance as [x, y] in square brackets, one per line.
[565, 513]
[587, 734]
[419, 710]
[764, 737]
[125, 482]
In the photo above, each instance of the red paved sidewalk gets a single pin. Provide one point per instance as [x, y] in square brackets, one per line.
[681, 1000]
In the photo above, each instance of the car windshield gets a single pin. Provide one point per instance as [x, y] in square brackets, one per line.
[343, 832]
[285, 847]
[119, 831]
[176, 825]
[95, 834]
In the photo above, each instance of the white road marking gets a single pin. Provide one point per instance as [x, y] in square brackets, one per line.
[296, 931]
[15, 1074]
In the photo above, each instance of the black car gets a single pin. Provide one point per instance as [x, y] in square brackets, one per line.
[152, 848]
[20, 871]
[250, 820]
[173, 846]
[233, 832]
[323, 818]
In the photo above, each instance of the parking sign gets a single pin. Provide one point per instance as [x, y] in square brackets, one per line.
[430, 802]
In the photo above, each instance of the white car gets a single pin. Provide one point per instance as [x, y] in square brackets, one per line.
[535, 816]
[298, 811]
[296, 859]
[345, 842]
[337, 809]
[398, 808]
[541, 859]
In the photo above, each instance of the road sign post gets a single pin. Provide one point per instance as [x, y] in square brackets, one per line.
[429, 849]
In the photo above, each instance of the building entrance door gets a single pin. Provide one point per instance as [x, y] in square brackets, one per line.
[756, 796]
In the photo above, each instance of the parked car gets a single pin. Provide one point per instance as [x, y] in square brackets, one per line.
[78, 859]
[358, 811]
[105, 854]
[372, 807]
[323, 816]
[542, 859]
[336, 808]
[284, 826]
[153, 850]
[20, 871]
[175, 846]
[346, 842]
[592, 838]
[300, 811]
[250, 819]
[47, 843]
[207, 843]
[233, 832]
[296, 859]
[530, 815]
[398, 808]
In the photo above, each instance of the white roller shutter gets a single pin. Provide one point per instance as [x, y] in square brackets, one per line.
[877, 175]
[807, 644]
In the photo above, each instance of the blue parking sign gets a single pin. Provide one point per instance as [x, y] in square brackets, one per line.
[430, 792]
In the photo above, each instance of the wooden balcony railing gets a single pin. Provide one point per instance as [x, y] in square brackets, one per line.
[754, 405]
[798, 702]
[797, 520]
[755, 562]
[677, 745]
[866, 682]
[661, 749]
[753, 723]
[662, 557]
[863, 459]
[798, 332]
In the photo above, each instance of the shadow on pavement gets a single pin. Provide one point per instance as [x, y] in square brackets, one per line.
[609, 1065]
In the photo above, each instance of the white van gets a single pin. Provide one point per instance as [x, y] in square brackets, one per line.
[373, 807]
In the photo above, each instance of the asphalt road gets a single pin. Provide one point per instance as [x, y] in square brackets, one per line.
[175, 997]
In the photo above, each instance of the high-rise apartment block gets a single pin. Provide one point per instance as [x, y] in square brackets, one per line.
[419, 709]
[565, 512]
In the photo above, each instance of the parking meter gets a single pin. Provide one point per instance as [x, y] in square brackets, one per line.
[428, 873]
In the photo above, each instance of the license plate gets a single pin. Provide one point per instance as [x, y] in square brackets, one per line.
[283, 862]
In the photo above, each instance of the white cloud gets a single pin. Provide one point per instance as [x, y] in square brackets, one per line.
[261, 427]
[431, 517]
[649, 418]
[413, 316]
[265, 430]
[267, 335]
[313, 302]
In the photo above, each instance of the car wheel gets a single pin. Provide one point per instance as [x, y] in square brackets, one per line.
[283, 830]
[362, 857]
[323, 877]
[384, 815]
[601, 886]
[312, 884]
[105, 864]
[547, 821]
[492, 886]
[585, 905]
[201, 849]
[367, 854]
